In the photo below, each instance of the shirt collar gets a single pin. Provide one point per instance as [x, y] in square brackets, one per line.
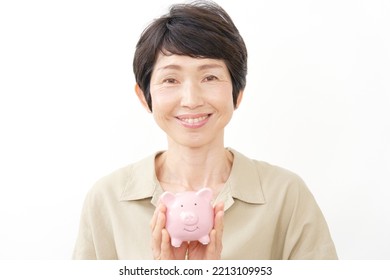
[244, 182]
[142, 181]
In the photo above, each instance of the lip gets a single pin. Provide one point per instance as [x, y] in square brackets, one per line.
[191, 229]
[193, 120]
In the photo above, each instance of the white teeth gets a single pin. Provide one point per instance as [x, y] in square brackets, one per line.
[195, 120]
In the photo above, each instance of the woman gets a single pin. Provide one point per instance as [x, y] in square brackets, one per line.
[190, 68]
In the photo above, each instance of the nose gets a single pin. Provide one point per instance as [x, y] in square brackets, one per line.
[191, 96]
[189, 218]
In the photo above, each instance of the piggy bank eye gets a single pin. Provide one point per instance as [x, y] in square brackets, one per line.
[195, 204]
[181, 205]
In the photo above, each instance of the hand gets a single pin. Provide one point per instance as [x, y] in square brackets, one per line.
[213, 250]
[161, 243]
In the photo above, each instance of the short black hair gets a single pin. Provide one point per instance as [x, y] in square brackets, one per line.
[200, 29]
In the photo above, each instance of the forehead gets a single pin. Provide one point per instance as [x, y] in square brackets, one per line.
[183, 62]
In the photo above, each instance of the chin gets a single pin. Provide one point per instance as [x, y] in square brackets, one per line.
[195, 140]
[198, 144]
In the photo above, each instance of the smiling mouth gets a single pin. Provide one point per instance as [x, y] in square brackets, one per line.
[193, 121]
[191, 230]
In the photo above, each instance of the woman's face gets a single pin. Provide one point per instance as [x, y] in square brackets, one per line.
[192, 99]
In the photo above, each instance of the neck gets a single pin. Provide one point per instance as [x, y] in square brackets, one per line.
[183, 168]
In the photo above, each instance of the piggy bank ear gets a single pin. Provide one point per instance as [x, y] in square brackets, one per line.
[167, 198]
[205, 193]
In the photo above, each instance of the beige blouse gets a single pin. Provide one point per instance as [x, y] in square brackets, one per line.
[269, 214]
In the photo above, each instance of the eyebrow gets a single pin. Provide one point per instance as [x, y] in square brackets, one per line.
[201, 67]
[209, 66]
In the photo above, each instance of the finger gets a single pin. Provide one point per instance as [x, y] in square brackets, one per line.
[159, 208]
[218, 228]
[218, 225]
[165, 245]
[182, 251]
[218, 207]
[212, 245]
[157, 233]
[218, 217]
[160, 224]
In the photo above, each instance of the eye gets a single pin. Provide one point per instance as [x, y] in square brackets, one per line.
[195, 204]
[210, 78]
[181, 205]
[169, 81]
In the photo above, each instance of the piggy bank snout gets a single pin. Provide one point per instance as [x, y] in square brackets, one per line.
[189, 217]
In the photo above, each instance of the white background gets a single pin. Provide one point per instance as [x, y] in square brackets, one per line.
[317, 102]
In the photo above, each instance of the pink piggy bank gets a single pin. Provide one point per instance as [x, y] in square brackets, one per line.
[190, 216]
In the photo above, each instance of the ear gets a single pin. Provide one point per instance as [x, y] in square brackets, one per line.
[141, 97]
[239, 98]
[205, 193]
[167, 198]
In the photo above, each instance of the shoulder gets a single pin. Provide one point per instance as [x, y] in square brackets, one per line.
[266, 171]
[274, 174]
[118, 182]
[272, 180]
[280, 182]
[111, 185]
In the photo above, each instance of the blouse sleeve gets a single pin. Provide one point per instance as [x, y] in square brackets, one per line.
[84, 248]
[308, 235]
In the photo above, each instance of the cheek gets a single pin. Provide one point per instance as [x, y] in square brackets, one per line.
[223, 101]
[163, 108]
[163, 100]
[222, 95]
